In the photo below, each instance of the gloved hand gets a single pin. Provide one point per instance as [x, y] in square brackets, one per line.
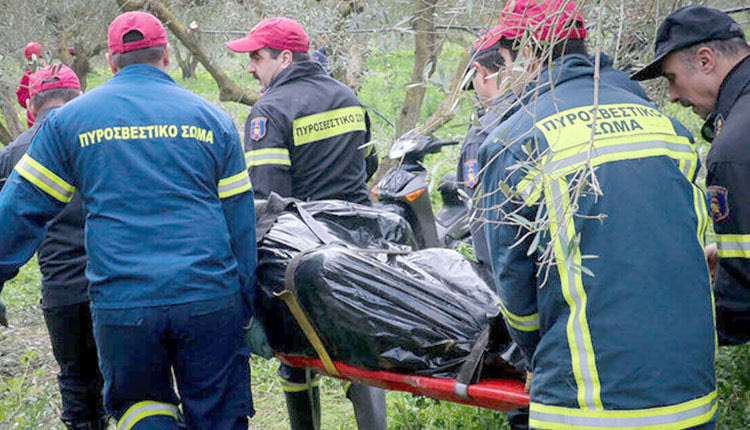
[3, 317]
[256, 339]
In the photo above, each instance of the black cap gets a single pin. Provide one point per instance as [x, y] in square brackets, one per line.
[685, 27]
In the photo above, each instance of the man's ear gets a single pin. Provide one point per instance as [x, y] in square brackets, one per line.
[111, 63]
[705, 59]
[481, 71]
[165, 60]
[287, 58]
[31, 108]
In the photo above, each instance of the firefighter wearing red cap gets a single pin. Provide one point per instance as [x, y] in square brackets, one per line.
[170, 234]
[626, 339]
[306, 138]
[34, 53]
[62, 261]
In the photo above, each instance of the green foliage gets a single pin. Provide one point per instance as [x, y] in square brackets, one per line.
[28, 392]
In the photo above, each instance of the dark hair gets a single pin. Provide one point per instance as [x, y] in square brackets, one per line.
[491, 58]
[297, 57]
[46, 97]
[728, 48]
[150, 55]
[562, 47]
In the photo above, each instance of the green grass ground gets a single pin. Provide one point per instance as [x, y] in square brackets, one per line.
[28, 393]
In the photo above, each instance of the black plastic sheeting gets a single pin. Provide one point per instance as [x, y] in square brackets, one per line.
[417, 312]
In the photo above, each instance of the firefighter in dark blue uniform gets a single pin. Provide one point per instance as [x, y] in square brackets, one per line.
[625, 340]
[703, 54]
[62, 261]
[170, 234]
[306, 138]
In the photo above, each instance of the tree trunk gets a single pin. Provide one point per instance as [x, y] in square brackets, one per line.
[13, 127]
[229, 91]
[79, 61]
[426, 50]
[447, 108]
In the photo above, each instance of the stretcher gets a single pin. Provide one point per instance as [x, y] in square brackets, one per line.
[498, 394]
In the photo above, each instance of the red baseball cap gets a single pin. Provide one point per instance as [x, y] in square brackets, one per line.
[33, 48]
[492, 36]
[548, 20]
[147, 25]
[51, 77]
[276, 33]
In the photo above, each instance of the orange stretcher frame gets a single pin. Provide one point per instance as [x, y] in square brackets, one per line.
[498, 394]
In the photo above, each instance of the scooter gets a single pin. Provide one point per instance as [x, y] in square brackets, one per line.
[404, 191]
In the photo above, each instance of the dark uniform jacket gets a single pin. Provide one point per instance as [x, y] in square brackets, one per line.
[625, 340]
[62, 254]
[728, 186]
[305, 138]
[467, 174]
[169, 205]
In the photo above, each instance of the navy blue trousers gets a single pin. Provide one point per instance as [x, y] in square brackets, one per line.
[202, 343]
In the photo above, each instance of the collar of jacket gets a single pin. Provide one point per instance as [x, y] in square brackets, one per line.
[563, 69]
[295, 71]
[734, 85]
[143, 70]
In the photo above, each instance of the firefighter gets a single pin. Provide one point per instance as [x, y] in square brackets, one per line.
[306, 138]
[703, 54]
[34, 53]
[626, 339]
[170, 234]
[62, 261]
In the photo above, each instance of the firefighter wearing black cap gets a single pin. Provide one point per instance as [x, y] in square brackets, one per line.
[703, 54]
[306, 138]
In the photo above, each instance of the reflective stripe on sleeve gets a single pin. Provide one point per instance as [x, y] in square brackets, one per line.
[44, 179]
[234, 185]
[733, 245]
[146, 409]
[521, 323]
[684, 415]
[259, 157]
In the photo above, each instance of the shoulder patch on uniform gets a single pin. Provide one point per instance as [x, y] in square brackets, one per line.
[718, 123]
[719, 200]
[471, 173]
[258, 128]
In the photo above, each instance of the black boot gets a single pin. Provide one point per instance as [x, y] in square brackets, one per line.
[303, 408]
[99, 424]
[369, 406]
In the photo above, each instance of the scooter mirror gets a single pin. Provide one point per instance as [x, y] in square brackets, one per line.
[401, 147]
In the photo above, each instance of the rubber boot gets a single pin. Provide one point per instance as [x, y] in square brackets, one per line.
[369, 406]
[303, 408]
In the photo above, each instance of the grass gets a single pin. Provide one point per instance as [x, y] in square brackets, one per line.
[28, 393]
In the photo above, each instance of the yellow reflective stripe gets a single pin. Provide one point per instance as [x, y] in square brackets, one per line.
[701, 212]
[145, 409]
[328, 124]
[562, 163]
[733, 245]
[296, 387]
[562, 230]
[259, 157]
[684, 415]
[44, 179]
[522, 323]
[234, 185]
